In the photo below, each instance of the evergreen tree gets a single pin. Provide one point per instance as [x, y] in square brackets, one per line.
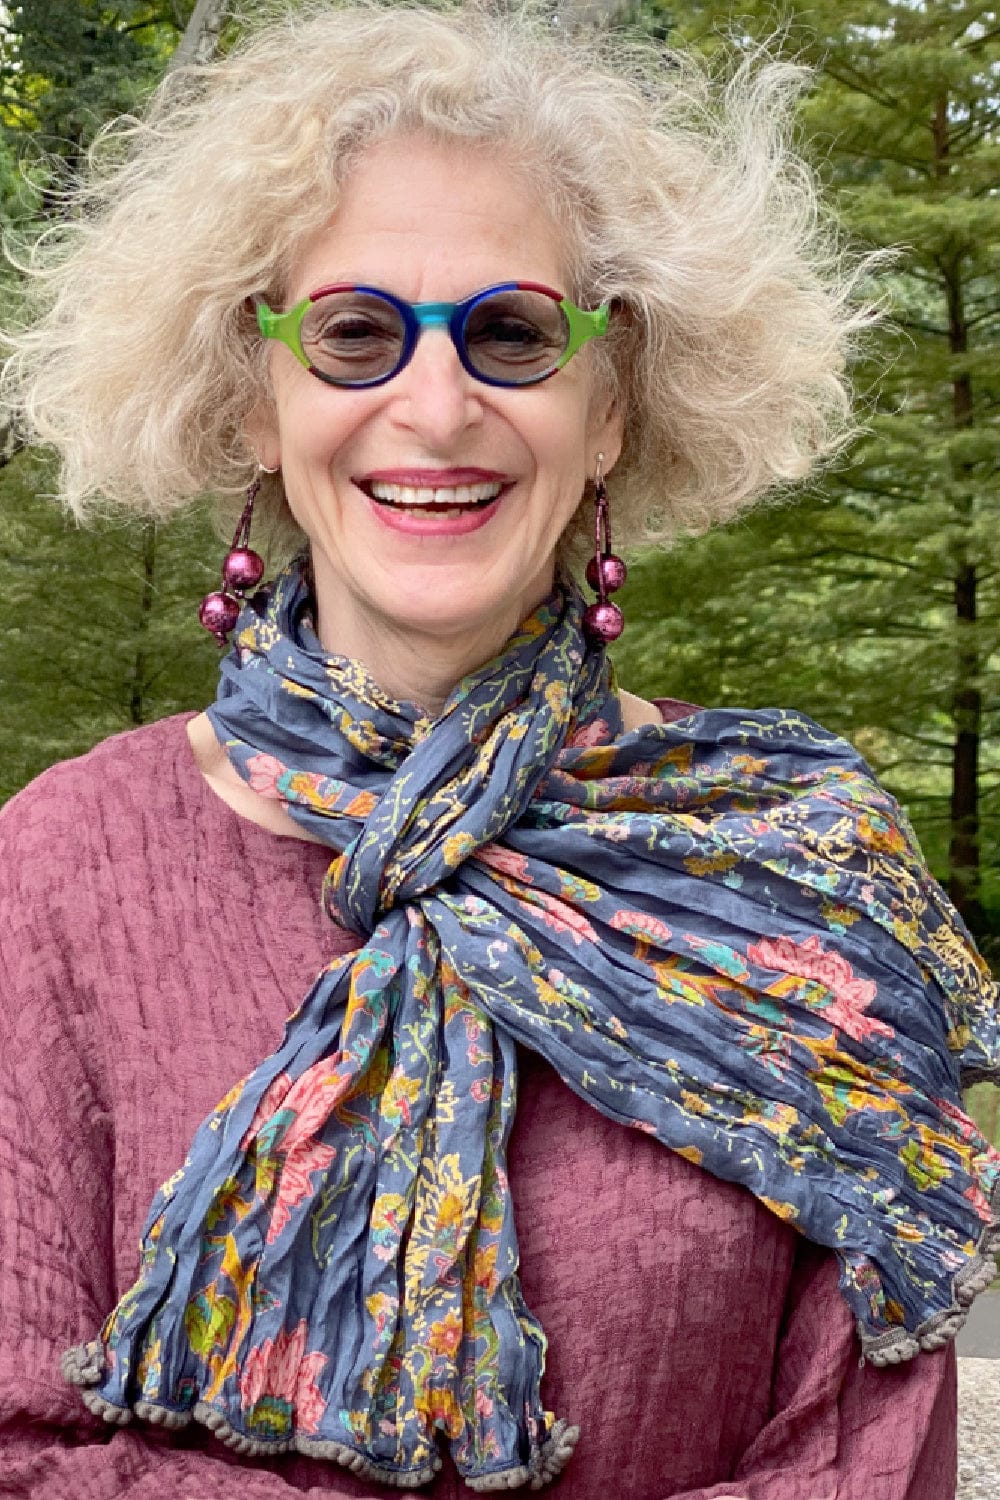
[98, 624]
[877, 600]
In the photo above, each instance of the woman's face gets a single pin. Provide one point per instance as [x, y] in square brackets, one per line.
[432, 222]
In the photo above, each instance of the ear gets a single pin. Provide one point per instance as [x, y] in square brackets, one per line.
[260, 429]
[605, 429]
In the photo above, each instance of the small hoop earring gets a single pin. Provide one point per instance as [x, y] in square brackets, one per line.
[606, 572]
[242, 569]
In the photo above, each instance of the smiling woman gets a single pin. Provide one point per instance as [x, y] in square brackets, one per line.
[450, 294]
[417, 582]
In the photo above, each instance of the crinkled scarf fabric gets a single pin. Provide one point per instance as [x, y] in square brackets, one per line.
[720, 931]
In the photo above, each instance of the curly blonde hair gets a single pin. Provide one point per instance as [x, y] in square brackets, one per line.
[682, 199]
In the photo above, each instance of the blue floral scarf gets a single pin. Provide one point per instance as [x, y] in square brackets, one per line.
[719, 931]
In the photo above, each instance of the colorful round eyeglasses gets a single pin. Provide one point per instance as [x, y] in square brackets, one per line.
[517, 333]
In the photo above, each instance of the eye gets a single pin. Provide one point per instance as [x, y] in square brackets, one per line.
[347, 327]
[506, 329]
[351, 328]
[521, 329]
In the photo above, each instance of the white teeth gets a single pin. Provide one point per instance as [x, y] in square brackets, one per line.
[462, 494]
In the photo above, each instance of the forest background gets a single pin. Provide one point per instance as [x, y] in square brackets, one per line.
[870, 599]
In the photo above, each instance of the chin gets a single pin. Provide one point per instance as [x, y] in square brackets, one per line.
[446, 618]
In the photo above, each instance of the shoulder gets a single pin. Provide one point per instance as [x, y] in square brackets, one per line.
[675, 708]
[72, 804]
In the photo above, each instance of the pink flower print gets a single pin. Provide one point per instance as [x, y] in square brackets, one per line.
[645, 928]
[499, 857]
[809, 960]
[265, 771]
[597, 732]
[304, 1111]
[967, 1128]
[269, 1105]
[479, 1088]
[979, 1201]
[562, 918]
[294, 1184]
[281, 1370]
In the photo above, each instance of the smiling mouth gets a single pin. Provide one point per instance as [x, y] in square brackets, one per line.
[442, 500]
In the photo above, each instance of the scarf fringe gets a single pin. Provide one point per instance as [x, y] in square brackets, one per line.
[83, 1366]
[896, 1345]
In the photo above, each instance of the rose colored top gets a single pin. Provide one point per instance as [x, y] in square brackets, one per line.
[152, 943]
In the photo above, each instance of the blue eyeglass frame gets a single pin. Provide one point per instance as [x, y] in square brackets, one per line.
[286, 328]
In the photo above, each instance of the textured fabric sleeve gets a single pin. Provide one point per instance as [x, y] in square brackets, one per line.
[840, 1431]
[57, 1145]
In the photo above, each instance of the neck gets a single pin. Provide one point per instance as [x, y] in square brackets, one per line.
[414, 664]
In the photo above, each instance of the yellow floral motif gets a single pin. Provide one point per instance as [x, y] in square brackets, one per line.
[457, 847]
[880, 835]
[557, 696]
[959, 1038]
[750, 765]
[297, 689]
[710, 864]
[444, 1214]
[446, 1102]
[441, 1409]
[786, 1211]
[485, 1265]
[388, 1214]
[690, 1153]
[228, 1100]
[922, 1165]
[672, 983]
[680, 757]
[547, 993]
[779, 1118]
[595, 762]
[400, 1093]
[445, 1335]
[148, 1371]
[911, 1233]
[838, 916]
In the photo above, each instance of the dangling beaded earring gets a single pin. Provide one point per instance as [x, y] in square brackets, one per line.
[606, 573]
[242, 569]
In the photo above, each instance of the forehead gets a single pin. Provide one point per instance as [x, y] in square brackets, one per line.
[433, 221]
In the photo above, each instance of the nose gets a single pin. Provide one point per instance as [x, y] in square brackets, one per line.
[434, 396]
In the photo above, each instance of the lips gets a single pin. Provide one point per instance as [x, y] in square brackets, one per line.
[421, 478]
[441, 492]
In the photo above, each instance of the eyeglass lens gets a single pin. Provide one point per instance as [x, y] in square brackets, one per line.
[513, 337]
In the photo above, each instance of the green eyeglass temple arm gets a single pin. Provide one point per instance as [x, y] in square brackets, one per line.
[583, 326]
[285, 326]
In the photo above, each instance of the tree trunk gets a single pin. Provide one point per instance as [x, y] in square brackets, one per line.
[10, 443]
[201, 35]
[964, 879]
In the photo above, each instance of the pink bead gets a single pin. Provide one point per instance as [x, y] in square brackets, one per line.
[242, 569]
[605, 622]
[219, 613]
[611, 568]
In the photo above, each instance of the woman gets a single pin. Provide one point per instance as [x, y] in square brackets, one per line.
[439, 276]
